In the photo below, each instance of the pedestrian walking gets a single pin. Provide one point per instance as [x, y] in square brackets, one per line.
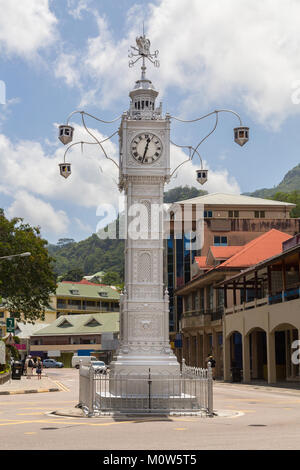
[39, 367]
[29, 367]
[212, 361]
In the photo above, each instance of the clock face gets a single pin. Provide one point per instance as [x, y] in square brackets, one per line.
[146, 148]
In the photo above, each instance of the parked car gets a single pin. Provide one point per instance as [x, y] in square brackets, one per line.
[52, 363]
[86, 360]
[99, 367]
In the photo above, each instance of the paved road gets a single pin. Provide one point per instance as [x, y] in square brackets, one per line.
[263, 418]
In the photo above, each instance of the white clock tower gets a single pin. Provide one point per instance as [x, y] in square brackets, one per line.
[144, 169]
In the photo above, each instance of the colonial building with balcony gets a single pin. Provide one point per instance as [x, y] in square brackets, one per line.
[203, 305]
[261, 324]
[84, 297]
[95, 334]
[229, 220]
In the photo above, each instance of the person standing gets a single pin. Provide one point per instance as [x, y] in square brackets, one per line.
[39, 367]
[29, 367]
[212, 365]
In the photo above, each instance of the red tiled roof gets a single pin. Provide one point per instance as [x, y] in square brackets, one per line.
[263, 247]
[224, 251]
[201, 261]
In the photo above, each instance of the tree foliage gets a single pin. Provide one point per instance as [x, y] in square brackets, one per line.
[180, 193]
[292, 197]
[89, 256]
[65, 241]
[74, 275]
[289, 184]
[25, 283]
[111, 278]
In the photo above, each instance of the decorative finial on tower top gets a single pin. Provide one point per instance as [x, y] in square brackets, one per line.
[142, 52]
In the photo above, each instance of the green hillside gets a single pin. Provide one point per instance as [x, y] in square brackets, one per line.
[92, 254]
[89, 256]
[290, 182]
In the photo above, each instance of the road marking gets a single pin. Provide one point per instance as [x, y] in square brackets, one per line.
[29, 432]
[13, 403]
[37, 408]
[63, 387]
[66, 421]
[248, 411]
[238, 415]
[180, 429]
[29, 414]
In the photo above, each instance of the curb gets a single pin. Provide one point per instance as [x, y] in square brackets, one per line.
[42, 390]
[78, 413]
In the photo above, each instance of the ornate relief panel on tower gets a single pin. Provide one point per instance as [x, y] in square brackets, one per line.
[143, 326]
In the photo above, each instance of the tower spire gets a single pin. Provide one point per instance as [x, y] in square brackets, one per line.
[143, 95]
[142, 51]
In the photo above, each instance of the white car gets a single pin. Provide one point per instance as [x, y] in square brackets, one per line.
[99, 367]
[86, 360]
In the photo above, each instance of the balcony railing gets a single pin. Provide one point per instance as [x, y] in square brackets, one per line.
[88, 308]
[210, 314]
[217, 313]
[275, 298]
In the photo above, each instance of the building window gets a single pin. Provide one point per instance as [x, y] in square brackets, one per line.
[220, 241]
[207, 214]
[103, 294]
[259, 214]
[74, 292]
[233, 214]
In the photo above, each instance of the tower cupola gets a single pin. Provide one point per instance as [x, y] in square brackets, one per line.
[143, 95]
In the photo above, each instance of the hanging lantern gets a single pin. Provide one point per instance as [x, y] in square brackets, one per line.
[65, 133]
[241, 135]
[65, 169]
[202, 176]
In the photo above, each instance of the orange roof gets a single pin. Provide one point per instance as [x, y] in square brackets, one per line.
[224, 251]
[201, 261]
[263, 247]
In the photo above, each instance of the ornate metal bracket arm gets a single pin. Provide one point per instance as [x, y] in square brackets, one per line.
[98, 141]
[94, 117]
[207, 115]
[190, 156]
[87, 143]
[241, 136]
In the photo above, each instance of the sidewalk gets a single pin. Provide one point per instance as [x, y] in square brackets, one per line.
[32, 385]
[263, 385]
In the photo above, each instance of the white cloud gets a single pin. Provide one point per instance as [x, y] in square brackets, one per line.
[245, 52]
[83, 226]
[66, 68]
[217, 182]
[26, 26]
[76, 7]
[237, 52]
[37, 212]
[26, 166]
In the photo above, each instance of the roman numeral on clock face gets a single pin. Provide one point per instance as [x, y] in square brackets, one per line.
[146, 148]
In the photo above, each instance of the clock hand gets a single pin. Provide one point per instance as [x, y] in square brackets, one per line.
[146, 148]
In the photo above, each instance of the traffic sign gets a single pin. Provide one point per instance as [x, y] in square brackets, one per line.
[10, 325]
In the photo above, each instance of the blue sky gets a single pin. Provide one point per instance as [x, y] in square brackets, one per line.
[59, 56]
